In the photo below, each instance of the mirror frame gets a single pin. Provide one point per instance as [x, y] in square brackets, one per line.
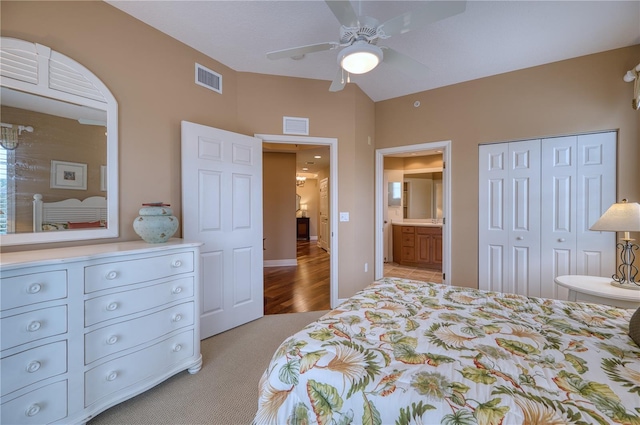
[34, 68]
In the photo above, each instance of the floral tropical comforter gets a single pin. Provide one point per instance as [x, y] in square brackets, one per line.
[409, 352]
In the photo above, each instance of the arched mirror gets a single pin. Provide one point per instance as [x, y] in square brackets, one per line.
[58, 148]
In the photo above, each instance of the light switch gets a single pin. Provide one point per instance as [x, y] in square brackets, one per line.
[344, 216]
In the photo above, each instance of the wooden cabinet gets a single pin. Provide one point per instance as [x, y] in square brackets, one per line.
[302, 228]
[88, 327]
[418, 246]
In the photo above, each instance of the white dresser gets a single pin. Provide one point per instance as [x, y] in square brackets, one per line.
[88, 327]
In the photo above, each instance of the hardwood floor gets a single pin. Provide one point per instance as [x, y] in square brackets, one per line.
[305, 287]
[295, 289]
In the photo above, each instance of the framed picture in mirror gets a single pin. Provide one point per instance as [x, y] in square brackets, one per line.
[68, 175]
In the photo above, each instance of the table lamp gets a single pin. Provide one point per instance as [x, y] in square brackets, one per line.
[623, 217]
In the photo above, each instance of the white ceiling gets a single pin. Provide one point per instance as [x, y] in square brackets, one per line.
[488, 38]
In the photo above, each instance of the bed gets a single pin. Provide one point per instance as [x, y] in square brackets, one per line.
[409, 352]
[69, 213]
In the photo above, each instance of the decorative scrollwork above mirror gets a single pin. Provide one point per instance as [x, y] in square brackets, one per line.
[58, 148]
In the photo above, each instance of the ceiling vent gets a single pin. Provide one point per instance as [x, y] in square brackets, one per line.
[294, 125]
[208, 78]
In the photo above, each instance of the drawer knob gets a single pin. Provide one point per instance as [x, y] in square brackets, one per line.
[177, 348]
[176, 264]
[112, 275]
[34, 289]
[561, 240]
[33, 366]
[177, 290]
[112, 376]
[112, 306]
[112, 340]
[34, 326]
[519, 238]
[32, 410]
[177, 317]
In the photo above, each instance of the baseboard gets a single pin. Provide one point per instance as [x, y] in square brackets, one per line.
[313, 238]
[280, 263]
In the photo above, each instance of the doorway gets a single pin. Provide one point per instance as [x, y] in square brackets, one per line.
[332, 143]
[381, 188]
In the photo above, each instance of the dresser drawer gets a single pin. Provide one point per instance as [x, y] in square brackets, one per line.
[112, 275]
[408, 240]
[42, 406]
[33, 365]
[118, 337]
[18, 291]
[429, 230]
[408, 229]
[110, 306]
[120, 373]
[33, 325]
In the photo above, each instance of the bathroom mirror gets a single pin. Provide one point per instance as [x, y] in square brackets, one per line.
[59, 144]
[394, 194]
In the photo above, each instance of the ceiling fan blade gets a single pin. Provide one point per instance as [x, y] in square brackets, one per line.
[343, 11]
[405, 64]
[431, 12]
[302, 50]
[338, 82]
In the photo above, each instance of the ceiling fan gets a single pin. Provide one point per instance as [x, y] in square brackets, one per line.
[359, 37]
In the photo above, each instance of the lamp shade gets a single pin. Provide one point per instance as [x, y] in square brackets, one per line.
[360, 58]
[620, 217]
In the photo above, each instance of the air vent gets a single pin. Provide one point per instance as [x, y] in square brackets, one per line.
[294, 125]
[208, 78]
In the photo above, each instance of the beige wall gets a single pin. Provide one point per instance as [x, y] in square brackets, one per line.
[151, 76]
[310, 195]
[279, 205]
[581, 95]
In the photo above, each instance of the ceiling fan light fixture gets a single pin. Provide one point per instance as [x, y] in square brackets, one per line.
[360, 58]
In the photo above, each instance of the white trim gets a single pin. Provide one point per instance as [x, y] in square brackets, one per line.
[445, 146]
[333, 197]
[280, 263]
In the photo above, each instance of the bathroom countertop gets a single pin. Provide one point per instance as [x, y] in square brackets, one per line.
[416, 223]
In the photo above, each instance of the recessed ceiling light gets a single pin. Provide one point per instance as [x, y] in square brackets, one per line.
[305, 169]
[317, 157]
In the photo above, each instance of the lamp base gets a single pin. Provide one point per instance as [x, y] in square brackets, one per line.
[626, 285]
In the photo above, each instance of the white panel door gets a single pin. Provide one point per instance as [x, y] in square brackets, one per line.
[222, 207]
[524, 217]
[493, 215]
[596, 186]
[559, 215]
[509, 217]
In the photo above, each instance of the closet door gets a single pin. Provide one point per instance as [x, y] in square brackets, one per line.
[509, 217]
[578, 185]
[596, 187]
[559, 235]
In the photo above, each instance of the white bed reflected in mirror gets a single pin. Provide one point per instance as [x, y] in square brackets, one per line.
[68, 156]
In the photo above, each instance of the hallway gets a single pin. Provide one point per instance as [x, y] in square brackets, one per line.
[306, 287]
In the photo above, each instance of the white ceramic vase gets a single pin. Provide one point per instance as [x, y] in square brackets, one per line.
[155, 224]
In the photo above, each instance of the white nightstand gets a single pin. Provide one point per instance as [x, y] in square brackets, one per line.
[598, 290]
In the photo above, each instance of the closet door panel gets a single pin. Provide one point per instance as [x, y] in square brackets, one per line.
[524, 218]
[558, 213]
[596, 192]
[493, 227]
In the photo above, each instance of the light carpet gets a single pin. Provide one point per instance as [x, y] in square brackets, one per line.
[225, 390]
